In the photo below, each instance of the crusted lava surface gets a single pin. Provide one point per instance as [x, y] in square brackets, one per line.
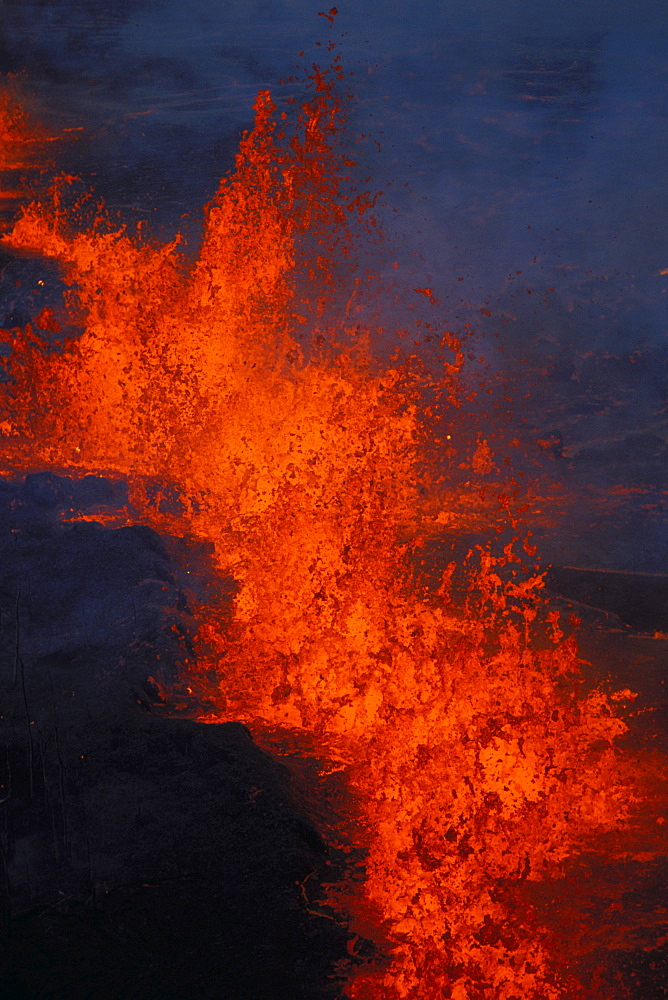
[142, 855]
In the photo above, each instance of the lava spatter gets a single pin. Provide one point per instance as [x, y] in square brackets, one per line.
[481, 765]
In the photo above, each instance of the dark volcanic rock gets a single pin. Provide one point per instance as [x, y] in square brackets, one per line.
[159, 858]
[140, 855]
[638, 599]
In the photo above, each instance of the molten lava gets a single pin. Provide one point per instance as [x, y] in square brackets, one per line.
[482, 768]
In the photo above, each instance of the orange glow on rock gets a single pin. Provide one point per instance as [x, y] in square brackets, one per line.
[482, 767]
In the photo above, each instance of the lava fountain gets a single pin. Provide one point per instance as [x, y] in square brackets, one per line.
[246, 407]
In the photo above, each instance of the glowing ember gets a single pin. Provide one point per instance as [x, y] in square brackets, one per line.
[482, 768]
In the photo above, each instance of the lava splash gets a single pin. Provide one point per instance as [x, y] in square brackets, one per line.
[248, 409]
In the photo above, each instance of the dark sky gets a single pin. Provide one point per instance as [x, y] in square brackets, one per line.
[532, 138]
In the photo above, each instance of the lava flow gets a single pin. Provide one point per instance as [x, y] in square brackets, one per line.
[245, 406]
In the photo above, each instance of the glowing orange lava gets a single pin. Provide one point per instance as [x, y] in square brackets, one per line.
[482, 768]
